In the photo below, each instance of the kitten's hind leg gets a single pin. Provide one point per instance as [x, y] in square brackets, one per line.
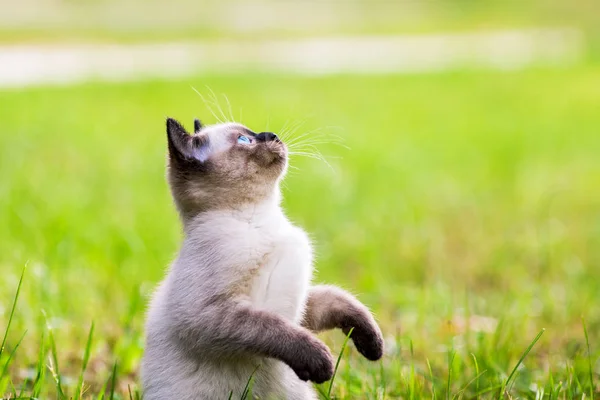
[330, 307]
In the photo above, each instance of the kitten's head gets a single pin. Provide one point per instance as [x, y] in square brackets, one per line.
[223, 166]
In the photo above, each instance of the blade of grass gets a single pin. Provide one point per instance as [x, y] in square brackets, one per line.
[460, 393]
[572, 381]
[589, 354]
[577, 380]
[102, 391]
[248, 386]
[86, 357]
[432, 380]
[322, 392]
[337, 364]
[383, 379]
[11, 355]
[490, 389]
[12, 311]
[23, 387]
[558, 389]
[113, 382]
[551, 382]
[411, 383]
[514, 371]
[476, 372]
[41, 369]
[13, 390]
[54, 359]
[451, 356]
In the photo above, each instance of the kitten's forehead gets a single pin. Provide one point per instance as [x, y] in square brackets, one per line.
[219, 135]
[212, 131]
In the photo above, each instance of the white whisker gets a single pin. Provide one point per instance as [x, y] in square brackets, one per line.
[314, 143]
[207, 104]
[316, 156]
[289, 132]
[229, 106]
[305, 134]
[329, 137]
[293, 126]
[216, 103]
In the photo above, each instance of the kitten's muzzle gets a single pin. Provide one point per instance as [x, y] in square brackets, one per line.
[267, 137]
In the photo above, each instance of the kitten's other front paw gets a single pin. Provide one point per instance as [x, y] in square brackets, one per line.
[312, 361]
[366, 336]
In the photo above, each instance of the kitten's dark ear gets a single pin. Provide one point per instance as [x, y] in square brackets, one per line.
[182, 145]
[197, 125]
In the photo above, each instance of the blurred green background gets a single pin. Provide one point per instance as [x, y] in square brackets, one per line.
[462, 205]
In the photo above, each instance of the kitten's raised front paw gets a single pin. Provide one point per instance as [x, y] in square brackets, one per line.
[312, 361]
[366, 336]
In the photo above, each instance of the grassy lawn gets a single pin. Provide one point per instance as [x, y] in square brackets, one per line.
[464, 208]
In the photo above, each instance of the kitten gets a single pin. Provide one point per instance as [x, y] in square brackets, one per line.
[238, 299]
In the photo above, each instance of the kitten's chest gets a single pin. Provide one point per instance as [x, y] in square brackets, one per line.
[281, 283]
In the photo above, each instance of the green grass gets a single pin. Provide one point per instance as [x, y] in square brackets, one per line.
[466, 214]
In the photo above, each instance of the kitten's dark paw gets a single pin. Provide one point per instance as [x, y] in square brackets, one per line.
[369, 344]
[313, 362]
[366, 336]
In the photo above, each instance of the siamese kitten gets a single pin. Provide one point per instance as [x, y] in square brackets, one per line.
[238, 299]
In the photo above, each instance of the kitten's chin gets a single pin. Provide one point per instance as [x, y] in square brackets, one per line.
[280, 159]
[279, 154]
[273, 156]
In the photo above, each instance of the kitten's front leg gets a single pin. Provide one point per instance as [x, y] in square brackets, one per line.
[234, 326]
[330, 307]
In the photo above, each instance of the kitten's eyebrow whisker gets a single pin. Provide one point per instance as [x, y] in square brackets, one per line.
[229, 106]
[216, 103]
[207, 104]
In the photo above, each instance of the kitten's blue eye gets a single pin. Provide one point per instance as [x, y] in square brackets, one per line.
[244, 140]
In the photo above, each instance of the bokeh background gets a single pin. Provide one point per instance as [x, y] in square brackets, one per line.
[451, 180]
